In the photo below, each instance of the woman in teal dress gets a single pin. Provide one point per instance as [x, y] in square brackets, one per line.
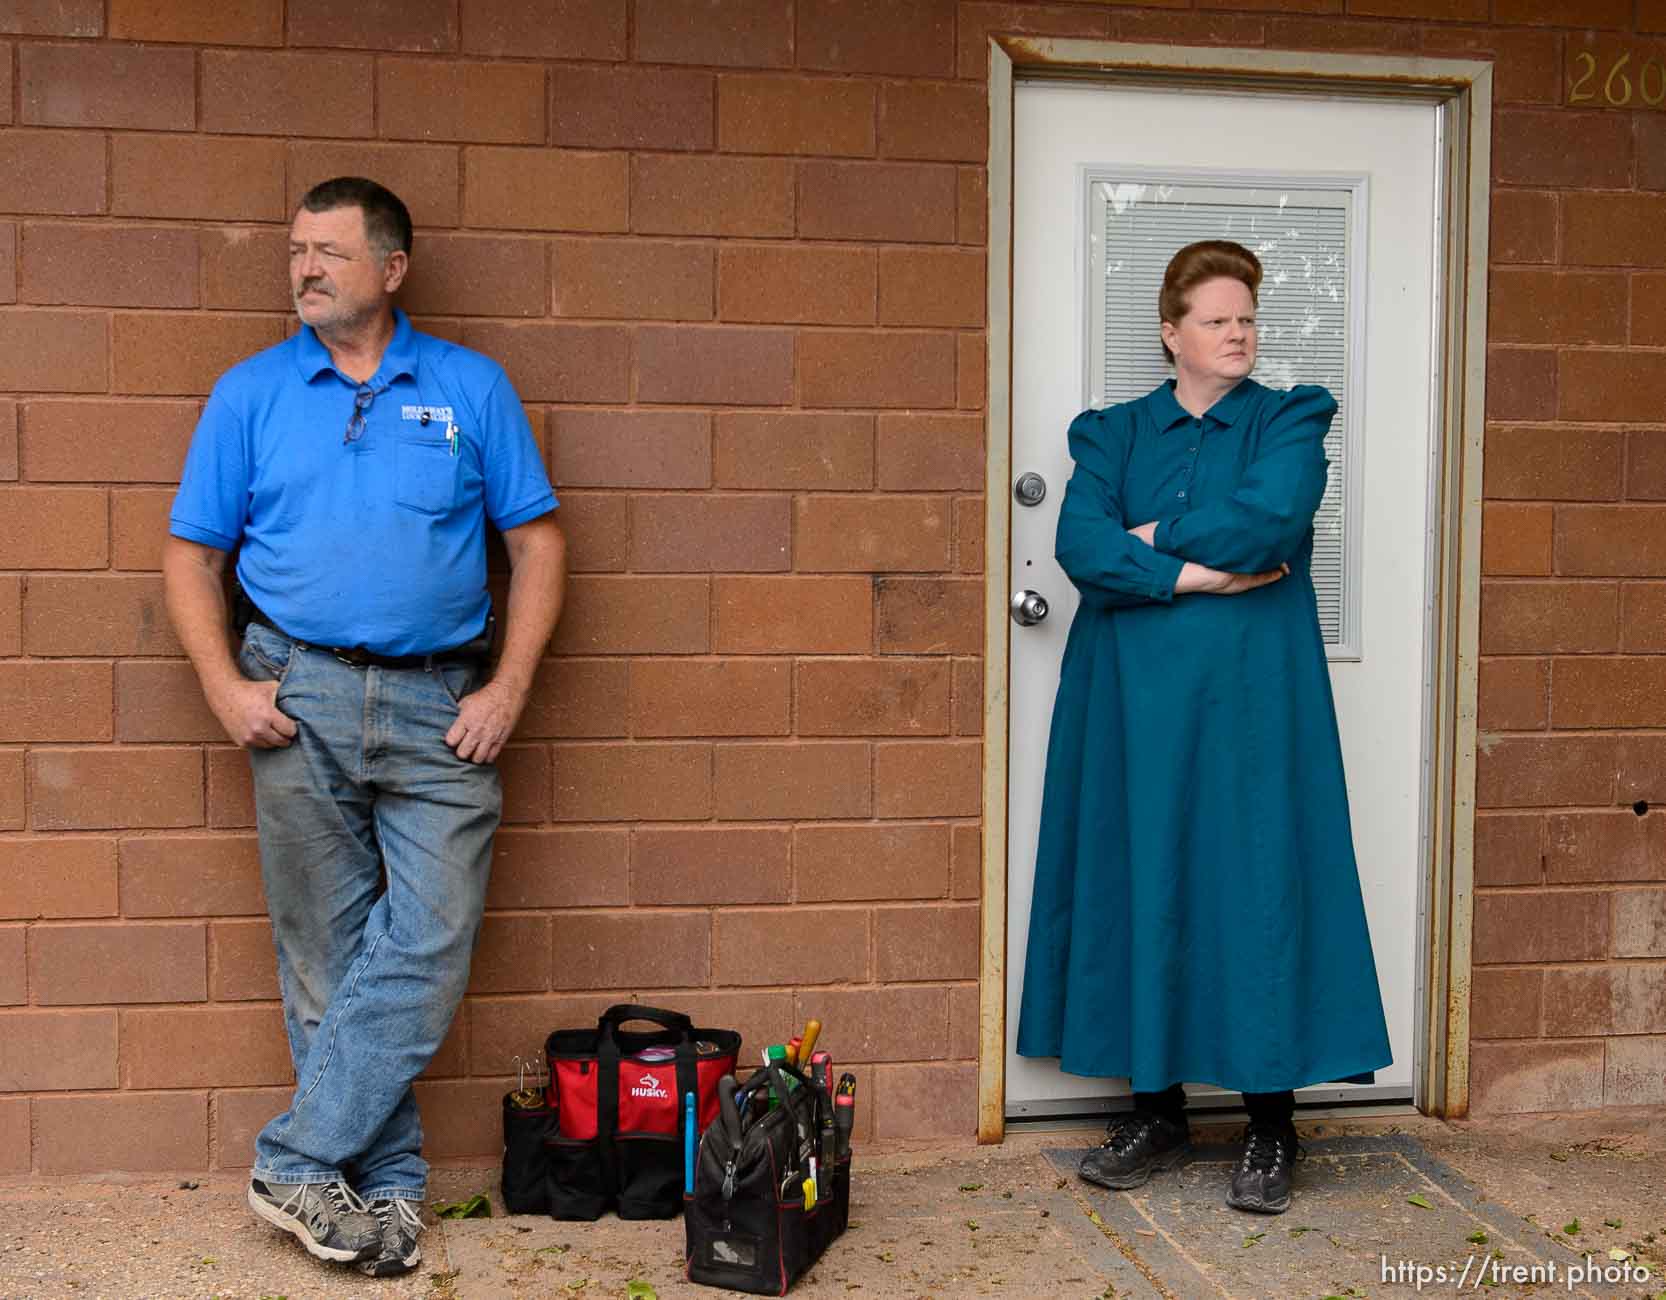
[1197, 913]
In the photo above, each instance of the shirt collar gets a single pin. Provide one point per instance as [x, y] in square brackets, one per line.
[1225, 412]
[312, 358]
[401, 356]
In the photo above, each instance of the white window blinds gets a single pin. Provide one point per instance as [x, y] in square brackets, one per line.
[1305, 241]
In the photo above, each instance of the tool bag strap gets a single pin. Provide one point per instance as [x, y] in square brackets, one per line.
[607, 1077]
[688, 1080]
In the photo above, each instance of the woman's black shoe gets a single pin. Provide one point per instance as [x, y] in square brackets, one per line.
[1261, 1183]
[1135, 1145]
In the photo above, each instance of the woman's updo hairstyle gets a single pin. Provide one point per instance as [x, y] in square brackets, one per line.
[1208, 259]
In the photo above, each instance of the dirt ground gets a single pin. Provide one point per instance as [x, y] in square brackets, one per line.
[948, 1220]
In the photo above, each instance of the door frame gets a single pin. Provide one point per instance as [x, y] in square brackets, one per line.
[1461, 90]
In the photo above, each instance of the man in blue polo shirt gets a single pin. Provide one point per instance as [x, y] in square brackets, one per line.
[353, 469]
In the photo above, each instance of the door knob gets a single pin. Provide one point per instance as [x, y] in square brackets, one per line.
[1031, 489]
[1028, 608]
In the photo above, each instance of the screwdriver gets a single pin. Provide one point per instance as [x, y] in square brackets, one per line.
[844, 1113]
[821, 1077]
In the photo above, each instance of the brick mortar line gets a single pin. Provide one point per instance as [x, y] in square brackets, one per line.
[1552, 190]
[275, 224]
[1576, 426]
[124, 922]
[1579, 655]
[926, 821]
[1540, 733]
[1564, 1040]
[1519, 656]
[644, 909]
[738, 990]
[81, 660]
[1518, 967]
[1559, 347]
[1552, 888]
[216, 1089]
[1598, 732]
[70, 1094]
[1554, 810]
[1629, 349]
[714, 826]
[608, 911]
[110, 834]
[634, 324]
[1560, 502]
[783, 656]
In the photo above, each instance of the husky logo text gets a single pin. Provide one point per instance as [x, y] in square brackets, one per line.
[648, 1086]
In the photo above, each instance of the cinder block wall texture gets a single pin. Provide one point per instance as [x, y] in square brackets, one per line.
[732, 253]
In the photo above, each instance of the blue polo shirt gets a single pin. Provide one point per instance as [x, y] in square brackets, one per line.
[379, 541]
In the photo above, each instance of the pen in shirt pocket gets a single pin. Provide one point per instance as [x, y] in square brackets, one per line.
[453, 436]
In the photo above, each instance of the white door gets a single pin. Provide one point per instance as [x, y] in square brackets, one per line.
[1339, 198]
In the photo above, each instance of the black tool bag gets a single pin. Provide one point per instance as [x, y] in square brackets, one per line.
[526, 1128]
[619, 1097]
[747, 1224]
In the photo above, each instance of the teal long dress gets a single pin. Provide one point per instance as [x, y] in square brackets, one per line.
[1197, 913]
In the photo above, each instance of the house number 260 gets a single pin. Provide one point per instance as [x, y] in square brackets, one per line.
[1617, 87]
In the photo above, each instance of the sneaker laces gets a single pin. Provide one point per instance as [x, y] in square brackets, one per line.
[396, 1212]
[343, 1199]
[1125, 1132]
[1264, 1148]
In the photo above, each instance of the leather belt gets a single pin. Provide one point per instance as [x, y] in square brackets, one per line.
[358, 657]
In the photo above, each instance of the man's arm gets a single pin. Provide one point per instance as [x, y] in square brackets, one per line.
[193, 583]
[537, 580]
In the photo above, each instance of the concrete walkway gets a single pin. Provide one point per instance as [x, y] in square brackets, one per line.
[959, 1220]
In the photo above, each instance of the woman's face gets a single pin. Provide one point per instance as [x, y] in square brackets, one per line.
[1215, 340]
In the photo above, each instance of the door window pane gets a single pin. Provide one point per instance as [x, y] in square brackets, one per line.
[1304, 239]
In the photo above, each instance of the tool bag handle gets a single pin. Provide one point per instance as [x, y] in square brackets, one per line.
[621, 1013]
[728, 1117]
[800, 1103]
[607, 1076]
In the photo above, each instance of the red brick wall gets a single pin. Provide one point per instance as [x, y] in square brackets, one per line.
[1569, 984]
[732, 254]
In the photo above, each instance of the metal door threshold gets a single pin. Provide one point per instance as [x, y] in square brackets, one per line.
[1217, 1115]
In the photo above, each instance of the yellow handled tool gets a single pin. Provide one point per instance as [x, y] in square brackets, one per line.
[812, 1031]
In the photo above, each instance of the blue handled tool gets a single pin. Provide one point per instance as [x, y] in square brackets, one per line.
[688, 1142]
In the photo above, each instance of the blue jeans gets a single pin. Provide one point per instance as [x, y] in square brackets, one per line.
[371, 977]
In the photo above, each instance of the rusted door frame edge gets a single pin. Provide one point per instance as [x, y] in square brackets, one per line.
[1462, 91]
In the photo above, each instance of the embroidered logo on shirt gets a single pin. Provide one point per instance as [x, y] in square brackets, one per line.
[426, 414]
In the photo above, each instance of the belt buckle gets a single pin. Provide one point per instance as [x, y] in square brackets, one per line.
[357, 657]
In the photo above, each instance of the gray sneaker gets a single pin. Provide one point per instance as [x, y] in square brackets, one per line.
[401, 1225]
[328, 1219]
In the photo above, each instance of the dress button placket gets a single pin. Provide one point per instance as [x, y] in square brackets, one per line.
[1191, 465]
[1191, 468]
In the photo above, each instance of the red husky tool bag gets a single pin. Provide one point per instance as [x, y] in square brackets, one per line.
[618, 1097]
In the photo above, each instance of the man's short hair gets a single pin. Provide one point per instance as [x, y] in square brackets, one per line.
[387, 221]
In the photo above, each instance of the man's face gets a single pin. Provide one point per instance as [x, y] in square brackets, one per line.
[1216, 338]
[338, 280]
